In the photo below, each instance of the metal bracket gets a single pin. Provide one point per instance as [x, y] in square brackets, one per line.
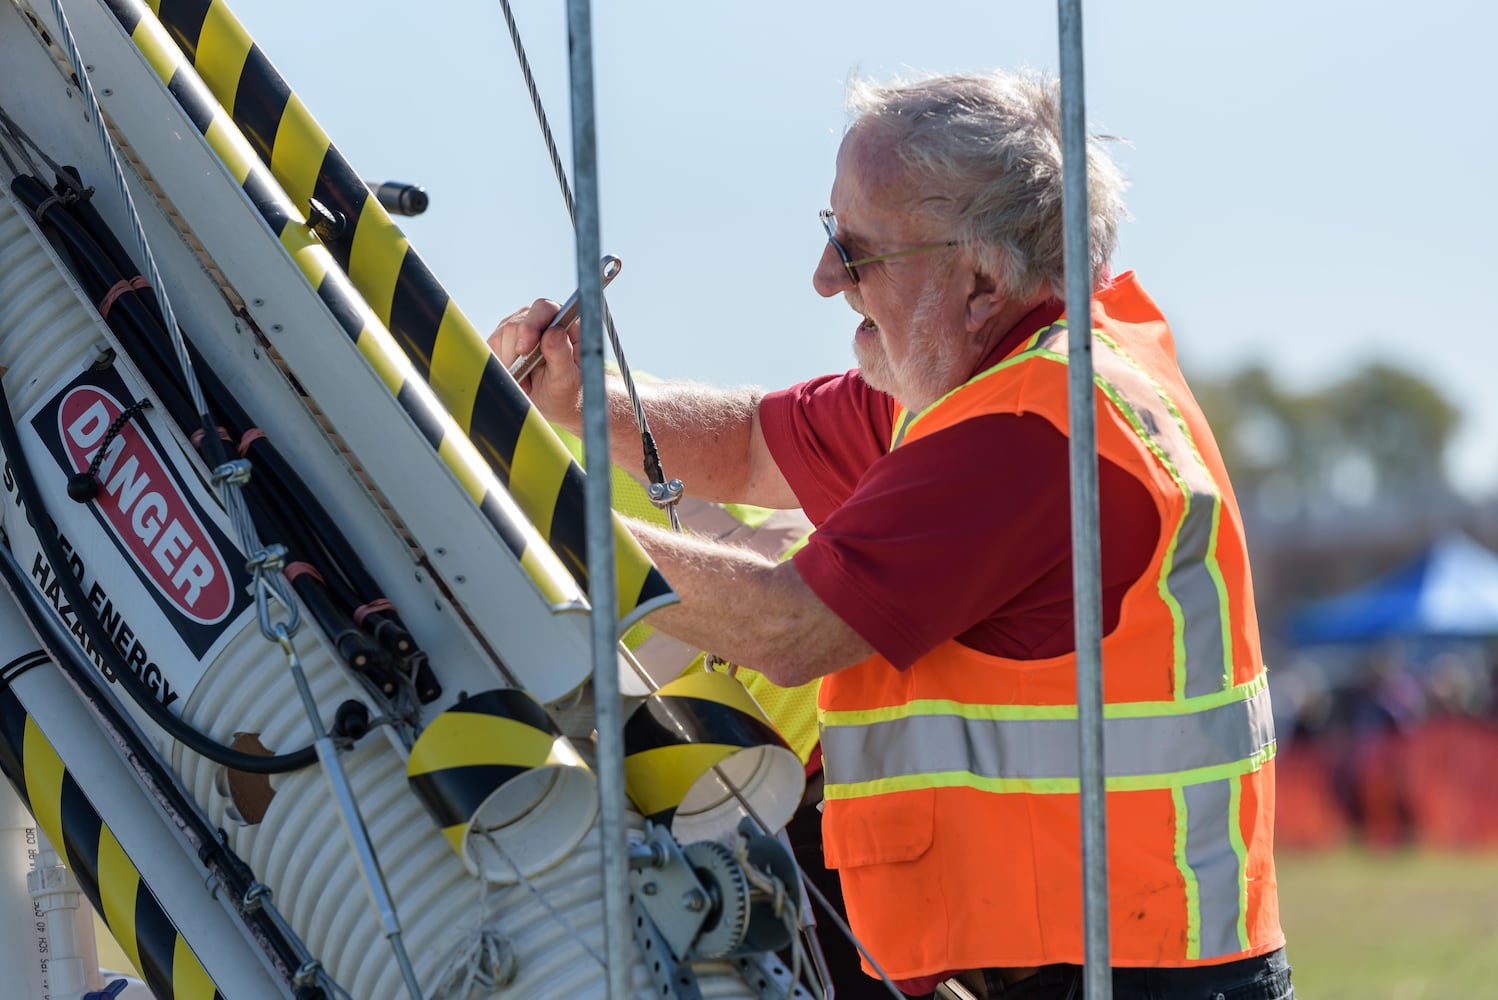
[672, 978]
[767, 976]
[668, 890]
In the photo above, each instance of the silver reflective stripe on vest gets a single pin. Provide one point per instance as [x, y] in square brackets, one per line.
[975, 745]
[1216, 866]
[1192, 582]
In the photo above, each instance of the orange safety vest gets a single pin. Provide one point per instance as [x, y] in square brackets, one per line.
[953, 807]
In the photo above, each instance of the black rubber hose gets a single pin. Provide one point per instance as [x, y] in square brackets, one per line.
[97, 269]
[193, 739]
[96, 257]
[344, 572]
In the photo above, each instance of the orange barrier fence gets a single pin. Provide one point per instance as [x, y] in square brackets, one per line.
[1435, 785]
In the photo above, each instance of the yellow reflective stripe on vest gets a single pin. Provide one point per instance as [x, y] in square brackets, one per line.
[939, 744]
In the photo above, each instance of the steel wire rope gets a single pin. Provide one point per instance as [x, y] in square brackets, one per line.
[654, 471]
[277, 487]
[230, 476]
[46, 535]
[652, 459]
[98, 262]
[21, 140]
[228, 481]
[416, 679]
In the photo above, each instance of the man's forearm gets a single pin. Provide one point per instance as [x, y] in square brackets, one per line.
[748, 609]
[704, 436]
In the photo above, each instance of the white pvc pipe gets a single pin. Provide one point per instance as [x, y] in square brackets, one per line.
[23, 939]
[73, 958]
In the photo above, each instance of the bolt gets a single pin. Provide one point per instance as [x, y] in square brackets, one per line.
[695, 900]
[650, 888]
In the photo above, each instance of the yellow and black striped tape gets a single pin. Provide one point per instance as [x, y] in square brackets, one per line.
[496, 764]
[109, 879]
[681, 732]
[360, 325]
[438, 341]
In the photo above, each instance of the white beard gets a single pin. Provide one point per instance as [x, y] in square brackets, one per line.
[935, 362]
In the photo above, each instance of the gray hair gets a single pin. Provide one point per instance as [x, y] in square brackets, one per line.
[987, 149]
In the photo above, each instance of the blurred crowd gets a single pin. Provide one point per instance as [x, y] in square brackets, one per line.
[1390, 746]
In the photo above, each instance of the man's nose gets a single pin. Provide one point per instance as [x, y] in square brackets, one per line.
[831, 277]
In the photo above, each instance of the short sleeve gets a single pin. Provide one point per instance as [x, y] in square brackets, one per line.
[966, 533]
[823, 435]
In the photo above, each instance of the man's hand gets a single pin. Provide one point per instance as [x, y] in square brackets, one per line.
[555, 386]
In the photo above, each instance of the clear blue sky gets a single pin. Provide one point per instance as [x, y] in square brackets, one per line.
[1312, 182]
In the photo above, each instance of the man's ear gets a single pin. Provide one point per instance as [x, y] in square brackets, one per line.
[984, 301]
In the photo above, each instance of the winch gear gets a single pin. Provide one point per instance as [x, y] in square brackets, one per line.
[727, 923]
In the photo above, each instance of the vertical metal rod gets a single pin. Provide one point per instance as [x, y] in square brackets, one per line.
[353, 820]
[1086, 559]
[598, 507]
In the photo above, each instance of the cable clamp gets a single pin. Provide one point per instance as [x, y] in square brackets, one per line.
[666, 494]
[270, 581]
[256, 896]
[270, 558]
[236, 471]
[307, 974]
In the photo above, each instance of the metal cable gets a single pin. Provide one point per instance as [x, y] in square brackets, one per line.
[22, 140]
[230, 476]
[653, 468]
[117, 173]
[657, 476]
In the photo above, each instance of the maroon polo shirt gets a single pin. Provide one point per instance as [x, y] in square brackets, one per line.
[964, 533]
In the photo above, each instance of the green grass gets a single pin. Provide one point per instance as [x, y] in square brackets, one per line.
[1398, 925]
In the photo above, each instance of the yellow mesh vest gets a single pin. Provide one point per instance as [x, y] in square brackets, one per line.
[793, 711]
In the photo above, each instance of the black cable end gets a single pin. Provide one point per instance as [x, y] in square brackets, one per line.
[82, 487]
[351, 720]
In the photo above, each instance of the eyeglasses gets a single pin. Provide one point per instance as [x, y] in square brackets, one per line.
[829, 223]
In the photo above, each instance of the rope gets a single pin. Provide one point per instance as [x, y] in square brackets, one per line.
[525, 881]
[483, 961]
[667, 497]
[662, 492]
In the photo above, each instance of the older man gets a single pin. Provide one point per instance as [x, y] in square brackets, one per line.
[935, 597]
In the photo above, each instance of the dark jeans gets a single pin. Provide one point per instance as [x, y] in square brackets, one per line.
[1264, 978]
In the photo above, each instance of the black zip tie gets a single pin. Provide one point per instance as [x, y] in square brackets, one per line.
[84, 486]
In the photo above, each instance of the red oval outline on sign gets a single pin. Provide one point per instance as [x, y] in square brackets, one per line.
[146, 511]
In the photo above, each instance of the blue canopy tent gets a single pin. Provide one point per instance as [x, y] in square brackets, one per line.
[1449, 591]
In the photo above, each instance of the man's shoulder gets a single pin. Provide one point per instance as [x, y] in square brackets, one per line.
[834, 400]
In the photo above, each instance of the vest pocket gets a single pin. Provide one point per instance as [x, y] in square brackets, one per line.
[878, 829]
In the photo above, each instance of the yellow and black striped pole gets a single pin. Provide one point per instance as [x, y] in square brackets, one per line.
[108, 877]
[439, 343]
